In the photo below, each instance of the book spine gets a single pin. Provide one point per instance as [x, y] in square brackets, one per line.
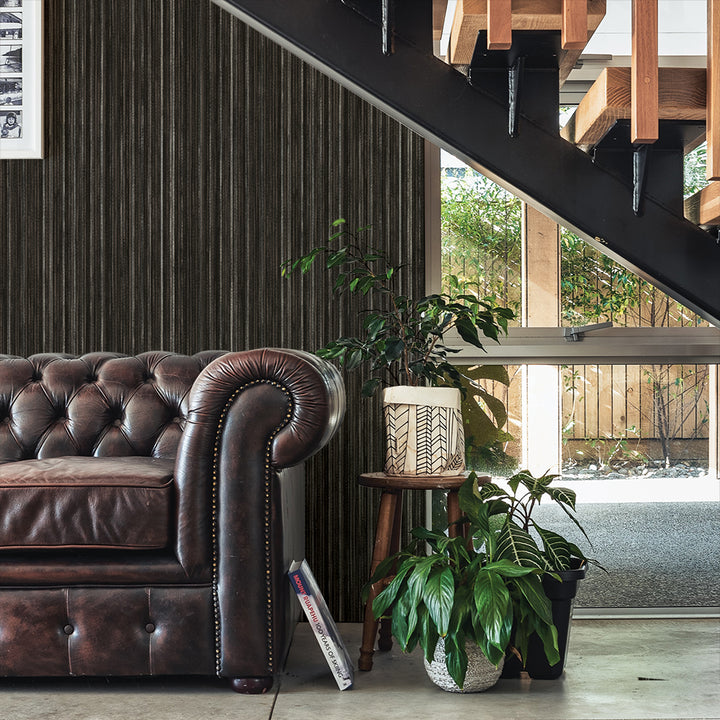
[333, 654]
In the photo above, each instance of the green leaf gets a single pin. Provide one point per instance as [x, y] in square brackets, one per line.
[556, 548]
[494, 608]
[472, 505]
[373, 325]
[400, 614]
[387, 597]
[468, 331]
[456, 658]
[516, 545]
[506, 568]
[336, 258]
[394, 349]
[496, 406]
[370, 387]
[355, 359]
[428, 633]
[549, 638]
[498, 373]
[532, 590]
[563, 496]
[438, 596]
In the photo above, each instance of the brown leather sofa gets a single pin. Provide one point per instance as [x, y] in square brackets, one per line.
[150, 507]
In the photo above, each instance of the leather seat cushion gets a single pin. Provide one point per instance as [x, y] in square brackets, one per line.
[86, 502]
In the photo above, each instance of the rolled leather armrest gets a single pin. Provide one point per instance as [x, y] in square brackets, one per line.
[250, 414]
[315, 389]
[269, 406]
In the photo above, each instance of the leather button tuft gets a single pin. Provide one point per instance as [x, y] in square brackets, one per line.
[150, 628]
[117, 423]
[68, 629]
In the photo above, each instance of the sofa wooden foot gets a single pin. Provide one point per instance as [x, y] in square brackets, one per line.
[251, 685]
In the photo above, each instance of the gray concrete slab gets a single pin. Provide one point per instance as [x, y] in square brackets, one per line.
[617, 670]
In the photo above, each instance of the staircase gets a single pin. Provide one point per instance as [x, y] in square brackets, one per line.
[495, 106]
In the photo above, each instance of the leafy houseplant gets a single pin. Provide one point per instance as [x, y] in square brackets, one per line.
[403, 339]
[403, 343]
[488, 590]
[478, 590]
[564, 562]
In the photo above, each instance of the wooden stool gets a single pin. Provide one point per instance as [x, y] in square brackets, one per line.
[387, 540]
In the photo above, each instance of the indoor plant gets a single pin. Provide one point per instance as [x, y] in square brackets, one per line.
[564, 562]
[403, 344]
[481, 590]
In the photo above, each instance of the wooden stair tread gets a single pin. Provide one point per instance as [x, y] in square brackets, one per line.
[471, 17]
[703, 208]
[438, 15]
[681, 96]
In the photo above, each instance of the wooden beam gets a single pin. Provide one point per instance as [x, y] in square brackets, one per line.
[574, 24]
[703, 208]
[439, 10]
[644, 85]
[499, 24]
[713, 90]
[471, 17]
[681, 96]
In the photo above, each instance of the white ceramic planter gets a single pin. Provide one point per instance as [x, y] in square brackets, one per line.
[424, 431]
[481, 673]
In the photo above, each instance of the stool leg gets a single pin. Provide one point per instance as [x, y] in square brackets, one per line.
[383, 538]
[385, 639]
[454, 514]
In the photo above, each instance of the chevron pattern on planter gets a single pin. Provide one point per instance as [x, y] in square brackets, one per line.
[424, 440]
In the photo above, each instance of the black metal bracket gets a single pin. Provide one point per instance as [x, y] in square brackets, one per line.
[640, 157]
[388, 26]
[653, 170]
[526, 76]
[409, 19]
[514, 77]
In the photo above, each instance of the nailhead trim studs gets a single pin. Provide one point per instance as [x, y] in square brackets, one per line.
[266, 520]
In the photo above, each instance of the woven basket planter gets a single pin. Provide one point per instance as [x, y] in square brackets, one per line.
[481, 673]
[424, 431]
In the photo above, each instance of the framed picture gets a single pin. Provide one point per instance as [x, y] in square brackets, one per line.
[21, 59]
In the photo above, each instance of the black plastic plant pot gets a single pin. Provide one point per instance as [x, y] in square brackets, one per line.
[562, 597]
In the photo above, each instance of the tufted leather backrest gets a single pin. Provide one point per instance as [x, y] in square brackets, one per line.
[101, 404]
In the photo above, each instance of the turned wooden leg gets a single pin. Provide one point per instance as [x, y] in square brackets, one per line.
[385, 638]
[383, 542]
[454, 514]
[251, 685]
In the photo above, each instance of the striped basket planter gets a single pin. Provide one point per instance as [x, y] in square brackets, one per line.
[424, 431]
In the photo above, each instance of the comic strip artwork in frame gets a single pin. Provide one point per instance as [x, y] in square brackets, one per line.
[21, 61]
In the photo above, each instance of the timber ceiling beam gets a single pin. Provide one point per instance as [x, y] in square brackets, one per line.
[681, 96]
[436, 101]
[703, 208]
[644, 69]
[713, 90]
[471, 17]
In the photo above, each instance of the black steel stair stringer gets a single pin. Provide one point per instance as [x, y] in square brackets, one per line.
[538, 166]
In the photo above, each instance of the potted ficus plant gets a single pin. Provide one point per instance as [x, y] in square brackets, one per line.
[403, 344]
[535, 546]
[465, 601]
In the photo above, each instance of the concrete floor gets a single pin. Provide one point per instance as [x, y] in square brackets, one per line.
[617, 670]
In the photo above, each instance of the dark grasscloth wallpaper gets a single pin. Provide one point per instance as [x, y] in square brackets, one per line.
[185, 158]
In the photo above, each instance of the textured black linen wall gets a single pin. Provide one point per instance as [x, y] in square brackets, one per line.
[186, 157]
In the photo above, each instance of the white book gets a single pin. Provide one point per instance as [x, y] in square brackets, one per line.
[321, 621]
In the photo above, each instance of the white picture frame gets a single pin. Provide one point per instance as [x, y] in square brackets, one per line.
[21, 79]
